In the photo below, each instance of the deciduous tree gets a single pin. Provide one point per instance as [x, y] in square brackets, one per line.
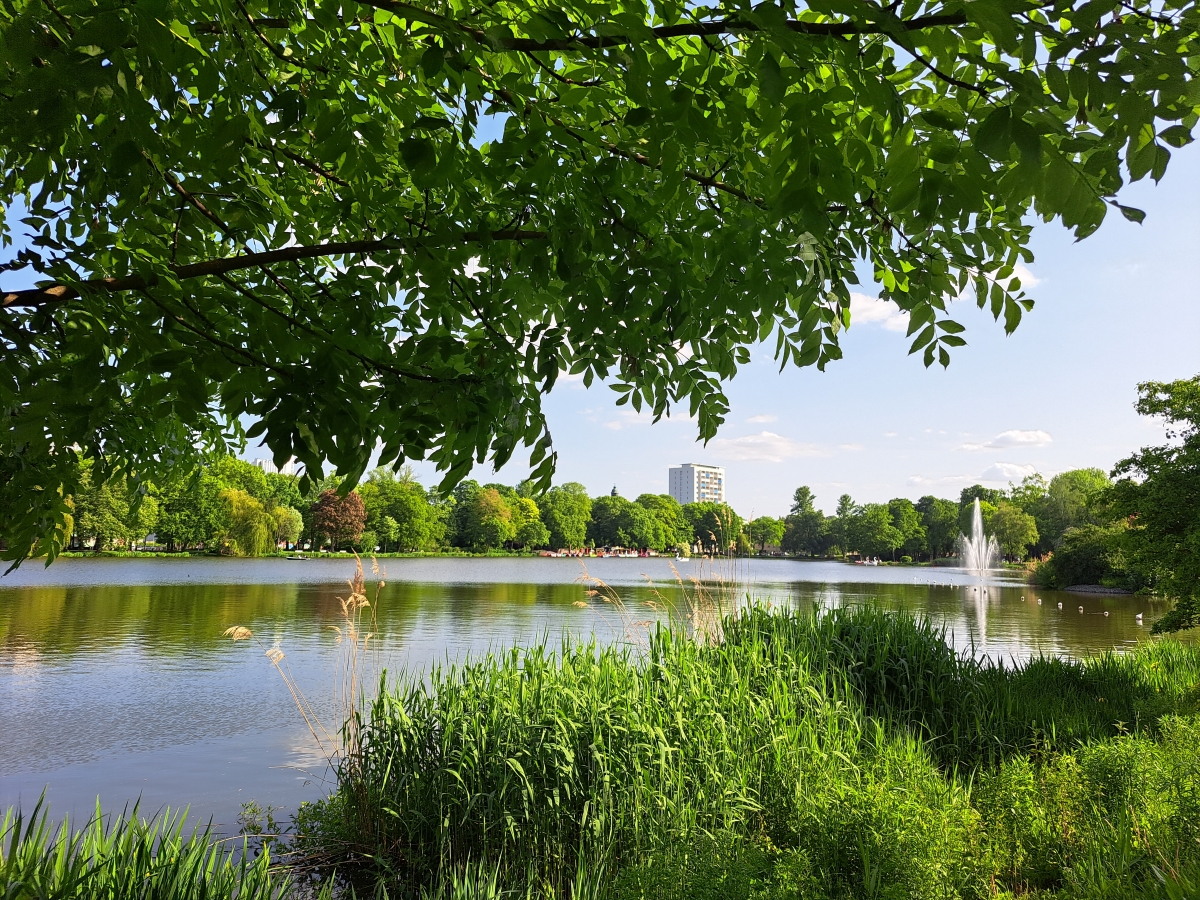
[806, 530]
[393, 225]
[765, 530]
[338, 520]
[1158, 491]
[940, 519]
[566, 510]
[1015, 530]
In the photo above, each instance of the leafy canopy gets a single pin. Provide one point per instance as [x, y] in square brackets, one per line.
[378, 223]
[1158, 491]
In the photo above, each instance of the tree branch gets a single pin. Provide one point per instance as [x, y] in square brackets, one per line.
[55, 293]
[663, 32]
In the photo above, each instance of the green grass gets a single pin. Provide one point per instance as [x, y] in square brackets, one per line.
[128, 858]
[850, 754]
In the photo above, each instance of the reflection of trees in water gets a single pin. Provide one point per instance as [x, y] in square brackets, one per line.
[1007, 621]
[176, 620]
[166, 619]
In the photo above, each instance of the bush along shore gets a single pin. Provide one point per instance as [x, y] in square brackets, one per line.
[848, 754]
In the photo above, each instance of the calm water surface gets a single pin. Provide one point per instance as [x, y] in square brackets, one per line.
[116, 682]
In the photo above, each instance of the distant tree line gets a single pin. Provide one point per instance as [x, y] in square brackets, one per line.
[1026, 519]
[232, 507]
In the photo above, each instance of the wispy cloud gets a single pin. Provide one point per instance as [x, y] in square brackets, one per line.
[851, 447]
[1006, 472]
[1028, 279]
[1008, 439]
[944, 481]
[627, 418]
[766, 446]
[864, 309]
[763, 417]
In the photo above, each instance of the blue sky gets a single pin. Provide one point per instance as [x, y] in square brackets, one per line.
[1116, 309]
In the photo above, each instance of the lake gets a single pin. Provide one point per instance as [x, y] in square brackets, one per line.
[116, 681]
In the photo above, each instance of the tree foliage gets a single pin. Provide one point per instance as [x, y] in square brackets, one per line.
[249, 528]
[715, 526]
[805, 528]
[940, 520]
[1015, 530]
[391, 225]
[338, 520]
[1158, 492]
[566, 510]
[765, 530]
[870, 530]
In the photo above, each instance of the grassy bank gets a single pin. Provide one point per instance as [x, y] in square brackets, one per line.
[851, 754]
[844, 755]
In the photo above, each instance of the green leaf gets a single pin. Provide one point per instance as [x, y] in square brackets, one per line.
[1131, 213]
[419, 154]
[1056, 80]
[1176, 136]
[770, 79]
[994, 136]
[922, 339]
[1012, 315]
[432, 61]
[637, 117]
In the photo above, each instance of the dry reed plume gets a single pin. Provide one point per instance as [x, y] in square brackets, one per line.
[699, 610]
[353, 637]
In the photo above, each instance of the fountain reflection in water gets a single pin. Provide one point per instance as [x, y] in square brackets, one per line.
[978, 552]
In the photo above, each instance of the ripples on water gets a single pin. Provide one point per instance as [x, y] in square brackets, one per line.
[115, 679]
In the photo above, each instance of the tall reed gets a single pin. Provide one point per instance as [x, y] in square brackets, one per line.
[125, 857]
[839, 753]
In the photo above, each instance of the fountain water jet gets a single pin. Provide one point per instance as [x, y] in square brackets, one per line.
[978, 552]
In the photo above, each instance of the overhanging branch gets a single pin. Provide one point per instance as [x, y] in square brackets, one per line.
[55, 293]
[496, 41]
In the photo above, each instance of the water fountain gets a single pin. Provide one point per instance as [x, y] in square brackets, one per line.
[978, 552]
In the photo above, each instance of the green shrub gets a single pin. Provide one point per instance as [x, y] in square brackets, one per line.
[1089, 554]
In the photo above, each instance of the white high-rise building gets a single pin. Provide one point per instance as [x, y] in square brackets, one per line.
[268, 466]
[696, 483]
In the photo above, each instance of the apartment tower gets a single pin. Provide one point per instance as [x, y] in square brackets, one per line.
[696, 483]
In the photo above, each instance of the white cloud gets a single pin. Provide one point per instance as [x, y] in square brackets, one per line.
[628, 417]
[851, 447]
[872, 309]
[1006, 472]
[1028, 279]
[889, 434]
[947, 480]
[1012, 438]
[766, 446]
[763, 417]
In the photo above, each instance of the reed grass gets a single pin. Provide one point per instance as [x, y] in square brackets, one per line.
[125, 857]
[851, 753]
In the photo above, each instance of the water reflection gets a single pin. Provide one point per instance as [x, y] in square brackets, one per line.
[114, 686]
